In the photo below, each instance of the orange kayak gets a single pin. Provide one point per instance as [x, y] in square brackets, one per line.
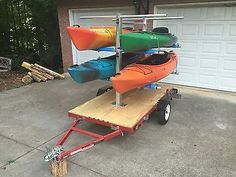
[93, 37]
[151, 69]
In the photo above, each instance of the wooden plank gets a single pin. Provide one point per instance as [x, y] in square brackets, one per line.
[53, 73]
[138, 103]
[36, 71]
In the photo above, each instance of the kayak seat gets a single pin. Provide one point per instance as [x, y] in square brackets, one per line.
[156, 59]
[160, 30]
[129, 28]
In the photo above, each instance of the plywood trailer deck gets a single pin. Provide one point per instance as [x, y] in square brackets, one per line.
[137, 104]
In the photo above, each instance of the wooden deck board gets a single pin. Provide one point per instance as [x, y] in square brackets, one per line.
[139, 102]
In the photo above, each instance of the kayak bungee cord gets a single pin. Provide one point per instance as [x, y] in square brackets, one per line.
[141, 68]
[138, 66]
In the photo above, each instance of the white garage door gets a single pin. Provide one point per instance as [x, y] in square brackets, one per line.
[208, 46]
[82, 56]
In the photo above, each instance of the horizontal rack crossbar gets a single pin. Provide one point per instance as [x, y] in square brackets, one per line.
[123, 16]
[152, 18]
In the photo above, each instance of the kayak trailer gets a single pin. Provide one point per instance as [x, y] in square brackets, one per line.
[121, 113]
[101, 110]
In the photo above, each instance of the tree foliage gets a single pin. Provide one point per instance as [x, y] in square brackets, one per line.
[29, 31]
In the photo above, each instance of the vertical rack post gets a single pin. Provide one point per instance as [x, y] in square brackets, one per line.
[144, 24]
[118, 54]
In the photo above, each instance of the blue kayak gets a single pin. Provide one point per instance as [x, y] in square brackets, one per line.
[102, 68]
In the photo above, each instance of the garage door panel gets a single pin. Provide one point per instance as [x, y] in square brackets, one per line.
[169, 78]
[208, 49]
[216, 13]
[227, 84]
[189, 46]
[211, 48]
[209, 64]
[186, 75]
[203, 30]
[233, 12]
[87, 55]
[232, 30]
[231, 48]
[207, 80]
[199, 31]
[171, 12]
[215, 30]
[187, 61]
[190, 30]
[229, 58]
[193, 13]
[230, 66]
[173, 28]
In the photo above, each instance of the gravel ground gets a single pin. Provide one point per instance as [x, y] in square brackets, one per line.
[10, 80]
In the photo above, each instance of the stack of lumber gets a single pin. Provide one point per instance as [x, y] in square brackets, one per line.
[39, 73]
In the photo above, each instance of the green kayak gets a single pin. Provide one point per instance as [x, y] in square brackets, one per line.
[146, 40]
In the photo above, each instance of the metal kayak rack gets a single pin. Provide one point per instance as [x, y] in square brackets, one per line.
[120, 19]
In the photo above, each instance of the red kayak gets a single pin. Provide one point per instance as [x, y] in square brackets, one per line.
[151, 69]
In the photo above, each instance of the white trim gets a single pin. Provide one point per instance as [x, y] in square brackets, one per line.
[194, 4]
[71, 20]
[73, 50]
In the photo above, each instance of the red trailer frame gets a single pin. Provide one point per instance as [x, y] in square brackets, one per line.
[98, 138]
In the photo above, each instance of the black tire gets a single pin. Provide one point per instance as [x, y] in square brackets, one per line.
[161, 30]
[163, 111]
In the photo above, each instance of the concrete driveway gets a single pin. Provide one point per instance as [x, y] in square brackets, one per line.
[199, 140]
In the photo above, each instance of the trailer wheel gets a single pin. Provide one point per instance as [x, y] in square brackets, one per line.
[163, 111]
